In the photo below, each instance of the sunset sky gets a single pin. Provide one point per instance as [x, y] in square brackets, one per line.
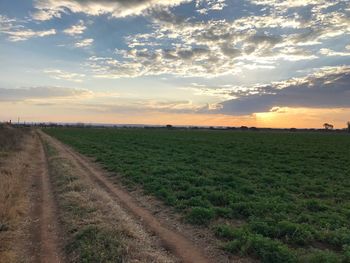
[265, 63]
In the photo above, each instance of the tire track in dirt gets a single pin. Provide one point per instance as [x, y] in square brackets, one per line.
[45, 230]
[180, 246]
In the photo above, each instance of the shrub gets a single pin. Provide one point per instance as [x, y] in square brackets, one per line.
[197, 201]
[242, 209]
[294, 233]
[224, 231]
[314, 205]
[346, 251]
[266, 249]
[223, 212]
[338, 237]
[200, 216]
[262, 228]
[218, 199]
[320, 256]
[270, 250]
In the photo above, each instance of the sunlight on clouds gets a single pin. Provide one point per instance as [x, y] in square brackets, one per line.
[48, 9]
[329, 52]
[302, 117]
[220, 47]
[204, 62]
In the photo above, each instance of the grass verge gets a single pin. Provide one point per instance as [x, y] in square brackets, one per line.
[14, 203]
[95, 227]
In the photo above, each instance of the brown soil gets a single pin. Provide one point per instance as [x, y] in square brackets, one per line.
[173, 240]
[44, 229]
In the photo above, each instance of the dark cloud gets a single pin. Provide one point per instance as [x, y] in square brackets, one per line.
[326, 89]
[230, 51]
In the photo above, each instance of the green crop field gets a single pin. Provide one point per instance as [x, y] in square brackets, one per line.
[289, 191]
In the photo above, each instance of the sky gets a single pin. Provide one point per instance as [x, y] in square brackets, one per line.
[262, 63]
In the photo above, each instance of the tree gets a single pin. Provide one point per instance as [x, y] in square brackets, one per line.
[328, 126]
[348, 126]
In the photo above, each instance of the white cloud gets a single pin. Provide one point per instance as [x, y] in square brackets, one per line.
[77, 29]
[84, 43]
[188, 47]
[220, 47]
[47, 9]
[204, 6]
[25, 34]
[64, 75]
[329, 53]
[17, 32]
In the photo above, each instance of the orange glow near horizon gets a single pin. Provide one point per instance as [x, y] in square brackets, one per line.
[279, 118]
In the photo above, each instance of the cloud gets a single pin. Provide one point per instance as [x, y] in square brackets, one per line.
[287, 31]
[129, 106]
[16, 32]
[327, 88]
[64, 75]
[328, 52]
[204, 6]
[77, 29]
[84, 43]
[21, 94]
[22, 35]
[48, 9]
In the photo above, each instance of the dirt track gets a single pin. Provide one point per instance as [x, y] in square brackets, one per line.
[176, 243]
[45, 232]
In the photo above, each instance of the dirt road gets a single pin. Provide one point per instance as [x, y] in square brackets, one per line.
[65, 197]
[45, 229]
[176, 243]
[29, 231]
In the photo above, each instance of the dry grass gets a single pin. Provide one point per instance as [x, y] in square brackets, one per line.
[11, 138]
[13, 190]
[96, 227]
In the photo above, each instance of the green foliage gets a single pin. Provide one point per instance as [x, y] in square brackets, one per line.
[200, 216]
[225, 231]
[287, 231]
[266, 249]
[218, 198]
[319, 256]
[315, 205]
[289, 188]
[346, 250]
[339, 237]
